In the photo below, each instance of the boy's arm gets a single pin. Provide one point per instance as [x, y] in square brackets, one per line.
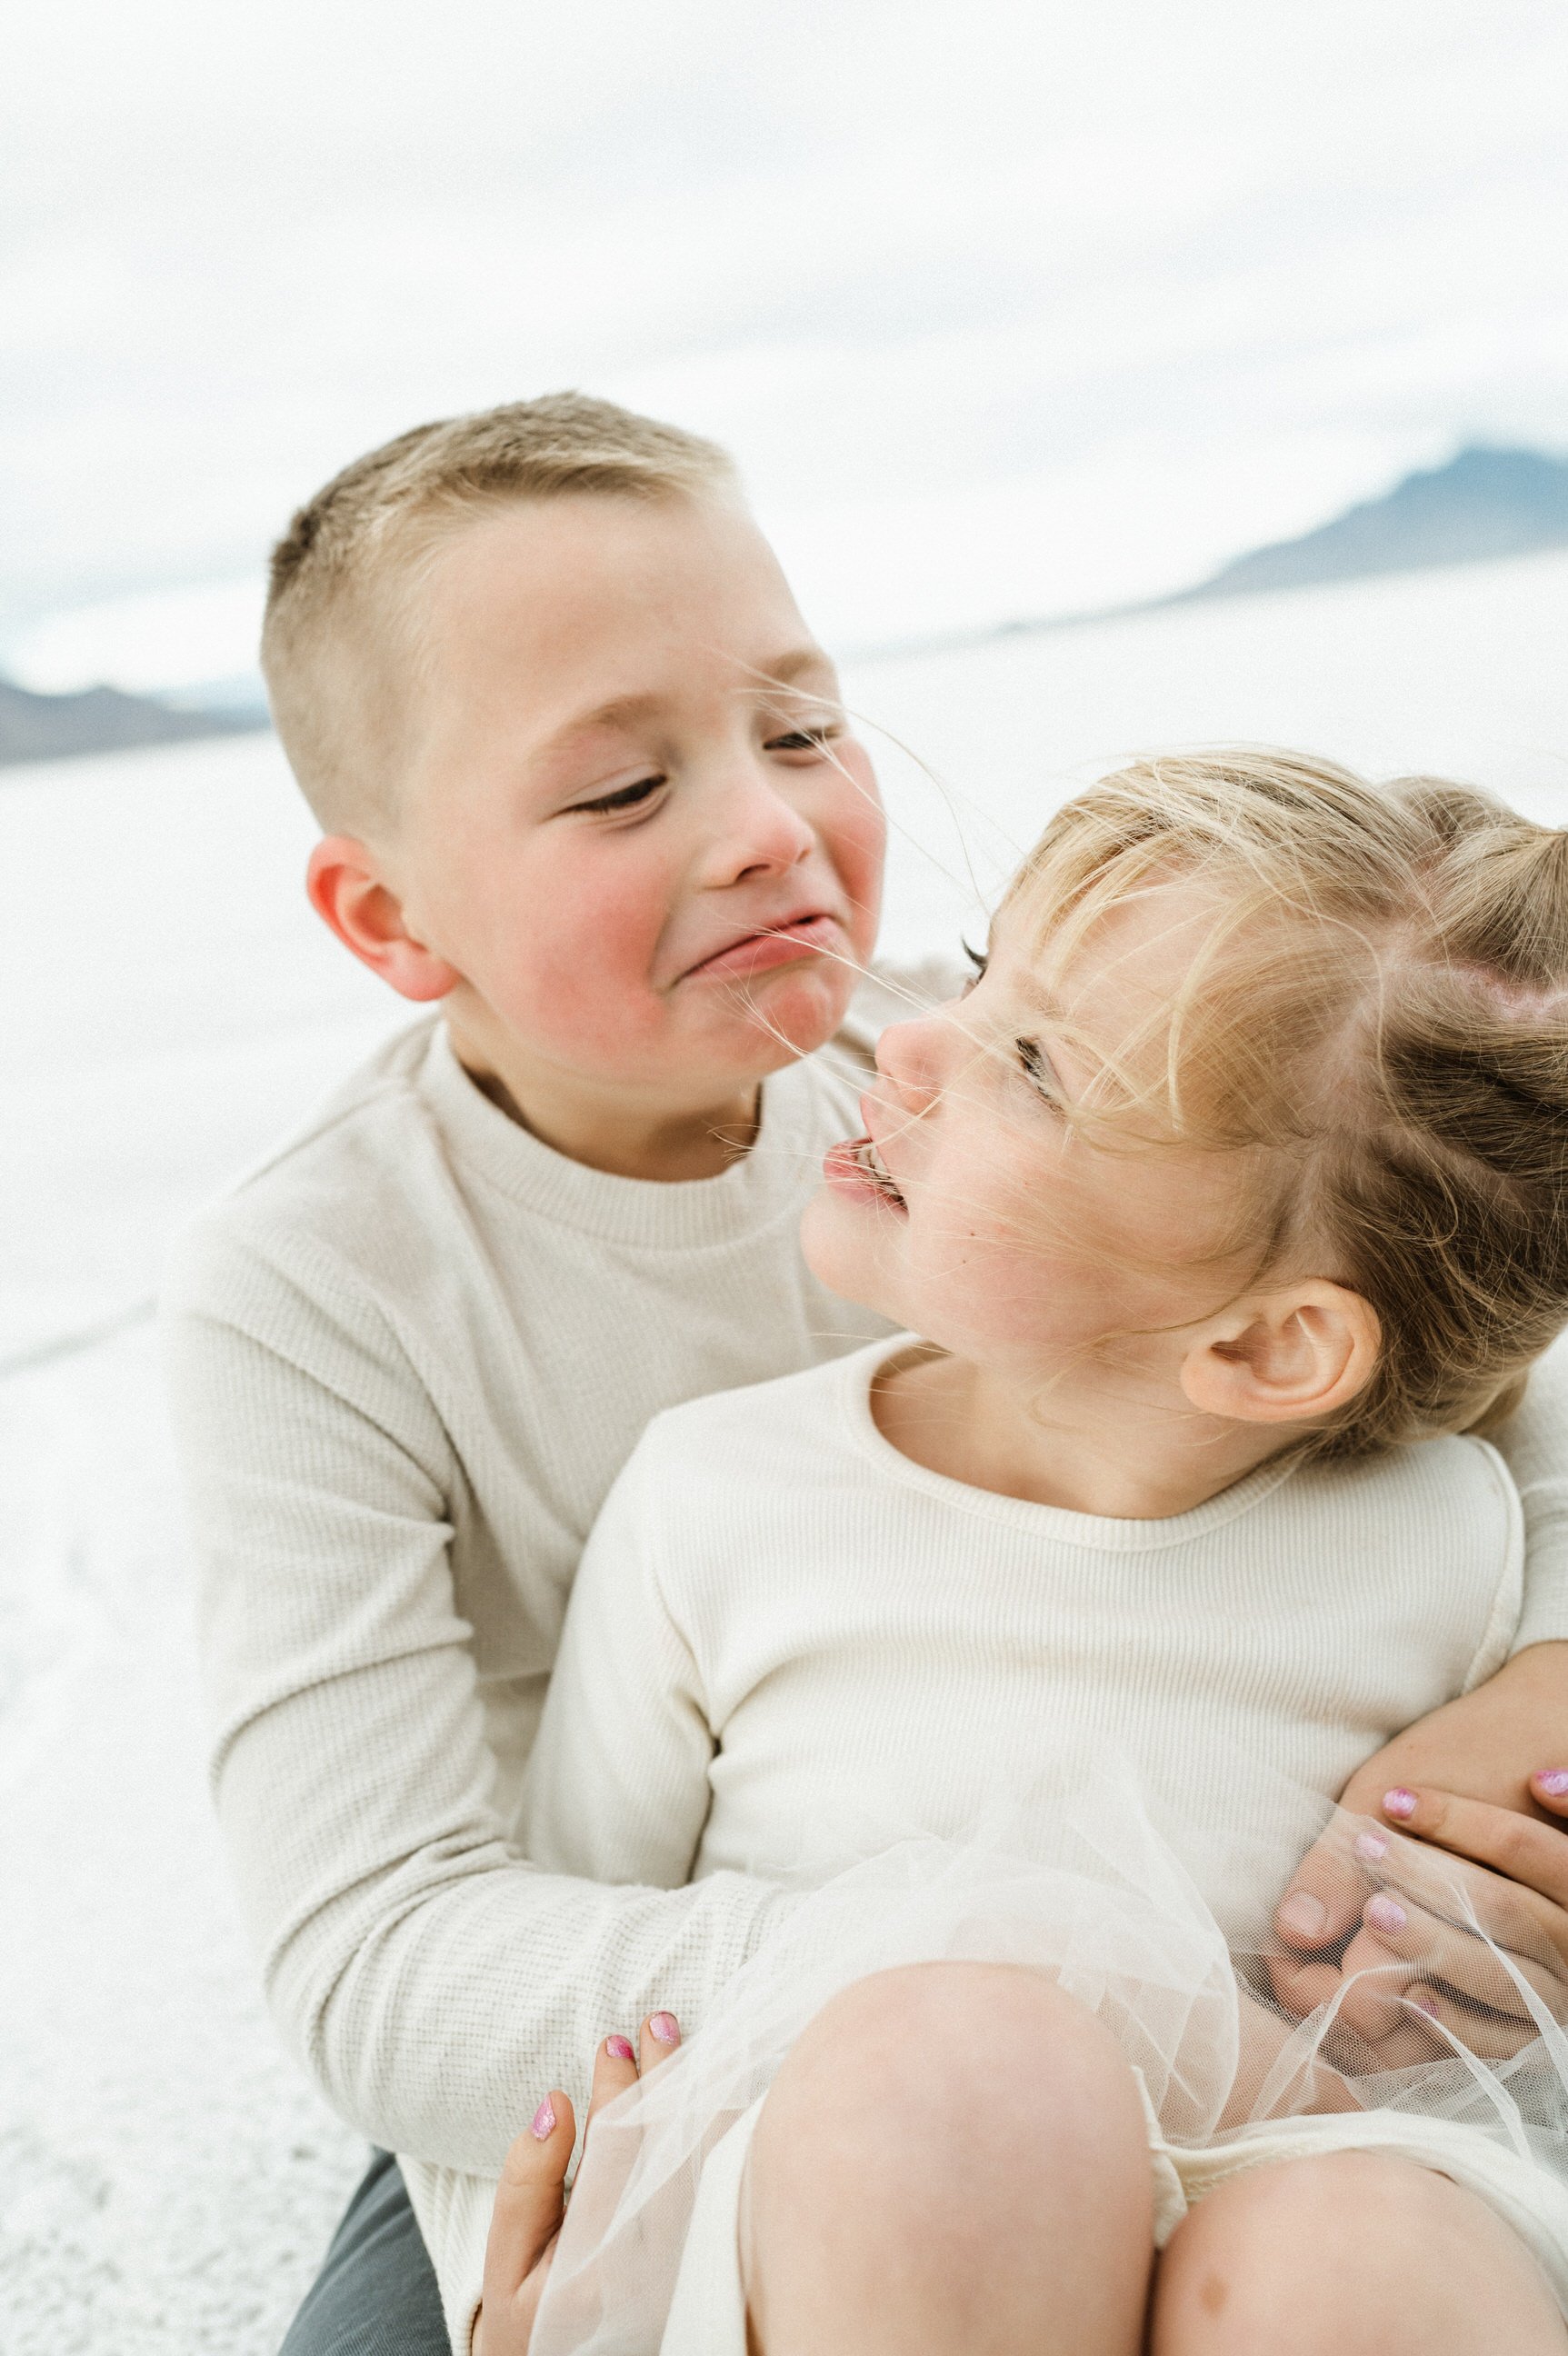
[617, 1788]
[1487, 1744]
[425, 1973]
[1534, 1445]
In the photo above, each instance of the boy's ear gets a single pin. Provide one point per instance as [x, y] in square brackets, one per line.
[1291, 1357]
[346, 892]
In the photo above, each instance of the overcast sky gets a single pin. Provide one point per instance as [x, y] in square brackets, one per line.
[1007, 309]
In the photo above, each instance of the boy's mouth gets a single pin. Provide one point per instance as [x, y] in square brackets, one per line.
[811, 934]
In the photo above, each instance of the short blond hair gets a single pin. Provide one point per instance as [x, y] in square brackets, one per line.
[343, 594]
[1379, 1012]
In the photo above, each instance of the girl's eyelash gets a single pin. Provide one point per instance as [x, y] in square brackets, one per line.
[977, 959]
[1033, 1062]
[624, 796]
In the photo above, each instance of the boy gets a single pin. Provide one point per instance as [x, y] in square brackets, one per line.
[583, 780]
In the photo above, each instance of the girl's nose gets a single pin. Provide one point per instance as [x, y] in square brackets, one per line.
[912, 1057]
[756, 831]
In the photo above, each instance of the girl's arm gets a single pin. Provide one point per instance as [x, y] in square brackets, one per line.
[617, 1785]
[1488, 1744]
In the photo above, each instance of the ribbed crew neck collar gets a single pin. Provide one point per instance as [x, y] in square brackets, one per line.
[685, 1214]
[1101, 1533]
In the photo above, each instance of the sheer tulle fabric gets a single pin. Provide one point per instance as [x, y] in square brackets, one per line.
[1109, 1904]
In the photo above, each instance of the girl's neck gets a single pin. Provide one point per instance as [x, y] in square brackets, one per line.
[1100, 1448]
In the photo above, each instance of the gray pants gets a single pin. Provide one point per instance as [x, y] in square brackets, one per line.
[376, 2293]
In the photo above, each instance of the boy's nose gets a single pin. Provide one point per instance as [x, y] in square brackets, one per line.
[758, 831]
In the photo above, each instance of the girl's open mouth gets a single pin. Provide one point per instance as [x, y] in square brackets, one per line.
[855, 1167]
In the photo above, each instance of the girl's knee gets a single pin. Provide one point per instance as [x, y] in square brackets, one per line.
[926, 2087]
[1303, 2257]
[951, 2141]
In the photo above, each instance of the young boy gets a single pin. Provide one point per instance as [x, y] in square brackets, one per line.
[585, 782]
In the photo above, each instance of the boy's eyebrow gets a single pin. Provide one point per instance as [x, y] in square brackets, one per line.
[788, 666]
[782, 672]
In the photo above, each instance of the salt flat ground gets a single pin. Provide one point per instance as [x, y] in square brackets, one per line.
[166, 2178]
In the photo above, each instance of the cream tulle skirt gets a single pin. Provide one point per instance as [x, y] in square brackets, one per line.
[649, 2257]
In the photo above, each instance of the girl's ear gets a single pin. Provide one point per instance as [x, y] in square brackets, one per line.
[1291, 1357]
[346, 892]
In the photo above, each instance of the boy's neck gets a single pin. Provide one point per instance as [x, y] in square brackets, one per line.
[1107, 1453]
[615, 1131]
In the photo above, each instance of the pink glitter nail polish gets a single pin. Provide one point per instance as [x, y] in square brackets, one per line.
[1398, 1802]
[619, 2048]
[1371, 1846]
[1425, 2003]
[1385, 1914]
[543, 2125]
[666, 2027]
[1553, 1780]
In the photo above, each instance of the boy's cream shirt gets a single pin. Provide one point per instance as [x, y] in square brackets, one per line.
[407, 1358]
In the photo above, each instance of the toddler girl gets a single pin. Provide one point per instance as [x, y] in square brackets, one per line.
[1230, 1206]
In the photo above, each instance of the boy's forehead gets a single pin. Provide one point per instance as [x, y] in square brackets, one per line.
[603, 607]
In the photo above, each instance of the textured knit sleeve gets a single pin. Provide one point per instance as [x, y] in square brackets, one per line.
[616, 1788]
[1534, 1443]
[429, 1977]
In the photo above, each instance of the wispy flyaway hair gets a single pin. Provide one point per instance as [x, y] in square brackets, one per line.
[1380, 1009]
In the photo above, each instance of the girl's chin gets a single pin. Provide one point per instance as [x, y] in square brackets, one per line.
[833, 1246]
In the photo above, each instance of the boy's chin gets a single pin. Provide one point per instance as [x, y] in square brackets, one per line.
[796, 1015]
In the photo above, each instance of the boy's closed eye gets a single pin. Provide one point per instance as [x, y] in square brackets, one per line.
[623, 797]
[812, 737]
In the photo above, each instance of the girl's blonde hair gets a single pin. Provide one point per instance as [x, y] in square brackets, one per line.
[1380, 1009]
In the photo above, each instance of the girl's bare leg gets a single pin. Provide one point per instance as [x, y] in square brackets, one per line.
[951, 2162]
[1344, 2255]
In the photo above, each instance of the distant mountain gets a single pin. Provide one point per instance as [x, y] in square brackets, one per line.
[1483, 503]
[101, 720]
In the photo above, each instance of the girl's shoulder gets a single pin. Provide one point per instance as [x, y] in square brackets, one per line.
[806, 1415]
[1455, 1478]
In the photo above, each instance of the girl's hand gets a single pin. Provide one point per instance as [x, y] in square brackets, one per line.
[1412, 1955]
[531, 2200]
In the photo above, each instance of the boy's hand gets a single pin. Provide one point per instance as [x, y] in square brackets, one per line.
[531, 2200]
[1484, 1746]
[1410, 1956]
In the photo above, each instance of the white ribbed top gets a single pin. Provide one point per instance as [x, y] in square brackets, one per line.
[789, 1647]
[788, 1644]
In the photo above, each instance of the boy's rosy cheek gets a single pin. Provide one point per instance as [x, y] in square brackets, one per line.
[583, 965]
[858, 835]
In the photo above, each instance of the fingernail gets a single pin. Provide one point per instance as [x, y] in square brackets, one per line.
[1553, 1780]
[543, 2125]
[1385, 1914]
[666, 2027]
[1425, 2002]
[1399, 1802]
[1371, 1846]
[619, 2048]
[1304, 1913]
